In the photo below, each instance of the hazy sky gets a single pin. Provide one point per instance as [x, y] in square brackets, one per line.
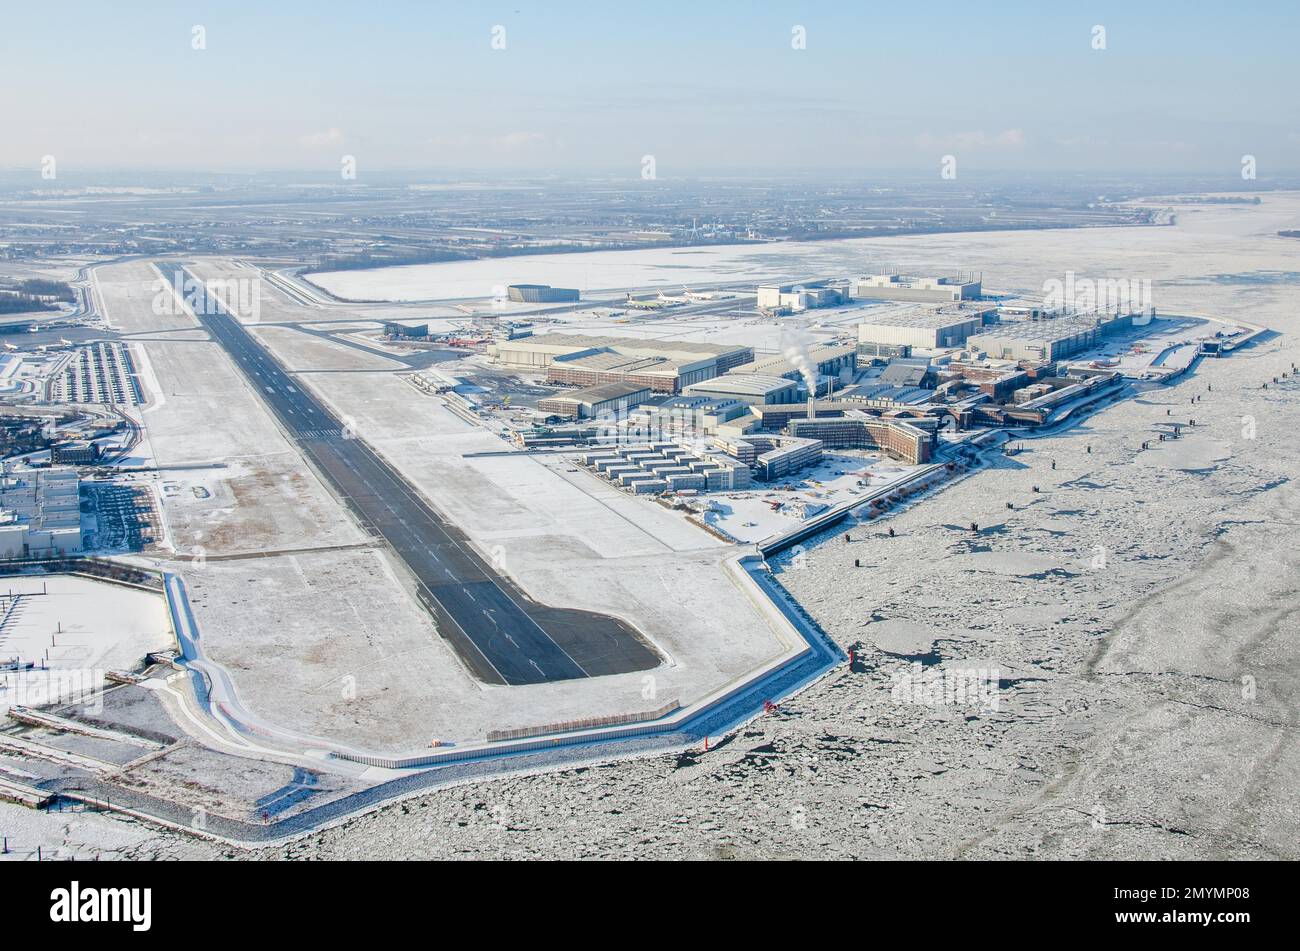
[1182, 86]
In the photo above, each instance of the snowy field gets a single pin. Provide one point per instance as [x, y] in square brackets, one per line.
[1138, 613]
[671, 268]
[1140, 610]
[73, 629]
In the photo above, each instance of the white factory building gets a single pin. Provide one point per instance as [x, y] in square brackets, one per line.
[1049, 339]
[925, 328]
[956, 287]
[40, 512]
[750, 388]
[797, 297]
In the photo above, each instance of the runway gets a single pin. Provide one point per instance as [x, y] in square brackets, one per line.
[502, 635]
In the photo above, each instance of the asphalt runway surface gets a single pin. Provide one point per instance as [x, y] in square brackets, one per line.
[503, 636]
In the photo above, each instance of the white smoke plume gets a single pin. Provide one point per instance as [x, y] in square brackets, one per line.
[795, 343]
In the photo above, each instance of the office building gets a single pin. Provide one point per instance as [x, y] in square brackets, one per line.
[859, 430]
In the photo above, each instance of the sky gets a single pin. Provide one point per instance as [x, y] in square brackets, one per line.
[704, 86]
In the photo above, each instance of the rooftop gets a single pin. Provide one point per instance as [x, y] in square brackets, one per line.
[595, 342]
[778, 365]
[601, 392]
[931, 317]
[1055, 329]
[749, 384]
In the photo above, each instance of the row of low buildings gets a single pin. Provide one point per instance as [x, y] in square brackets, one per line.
[40, 512]
[657, 467]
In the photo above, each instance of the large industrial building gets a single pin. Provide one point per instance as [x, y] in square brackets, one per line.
[688, 414]
[956, 287]
[660, 374]
[40, 513]
[393, 329]
[927, 328]
[666, 366]
[798, 297]
[828, 360]
[751, 388]
[1049, 339]
[602, 400]
[541, 294]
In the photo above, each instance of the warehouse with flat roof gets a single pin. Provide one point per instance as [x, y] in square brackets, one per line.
[752, 388]
[954, 287]
[602, 400]
[1047, 339]
[537, 351]
[666, 366]
[929, 328]
[40, 512]
[798, 297]
[828, 359]
[661, 374]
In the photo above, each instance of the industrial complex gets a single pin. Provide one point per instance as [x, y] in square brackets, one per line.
[646, 432]
[40, 512]
[956, 287]
[510, 494]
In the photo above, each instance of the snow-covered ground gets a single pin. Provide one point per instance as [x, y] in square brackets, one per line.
[1139, 611]
[750, 517]
[73, 629]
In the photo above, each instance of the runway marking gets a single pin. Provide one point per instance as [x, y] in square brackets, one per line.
[248, 353]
